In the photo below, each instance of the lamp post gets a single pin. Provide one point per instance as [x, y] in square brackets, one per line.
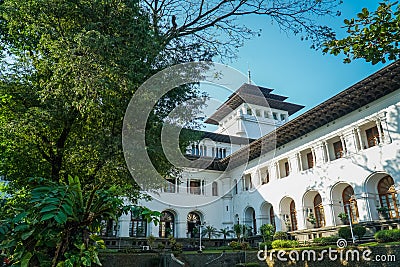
[350, 221]
[200, 226]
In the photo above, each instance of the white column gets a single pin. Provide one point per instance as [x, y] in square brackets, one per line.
[378, 125]
[386, 136]
[300, 161]
[124, 221]
[180, 227]
[329, 214]
[301, 218]
[360, 139]
[278, 170]
[350, 141]
[294, 164]
[343, 145]
[328, 158]
[318, 153]
[272, 172]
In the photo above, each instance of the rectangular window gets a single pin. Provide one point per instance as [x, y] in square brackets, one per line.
[310, 160]
[249, 111]
[195, 187]
[338, 149]
[266, 178]
[266, 114]
[170, 186]
[372, 136]
[258, 113]
[138, 227]
[275, 115]
[283, 117]
[287, 171]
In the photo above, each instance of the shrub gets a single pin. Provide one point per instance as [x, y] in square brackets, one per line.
[359, 231]
[345, 232]
[322, 241]
[267, 232]
[235, 245]
[244, 245]
[280, 236]
[387, 235]
[285, 244]
[175, 246]
[268, 244]
[160, 246]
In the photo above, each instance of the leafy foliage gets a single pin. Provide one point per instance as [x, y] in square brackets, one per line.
[384, 236]
[210, 231]
[373, 35]
[279, 235]
[240, 231]
[359, 231]
[284, 244]
[267, 232]
[225, 232]
[345, 232]
[51, 224]
[323, 241]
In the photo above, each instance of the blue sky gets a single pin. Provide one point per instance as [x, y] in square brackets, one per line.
[288, 65]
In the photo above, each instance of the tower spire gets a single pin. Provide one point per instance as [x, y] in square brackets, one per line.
[248, 74]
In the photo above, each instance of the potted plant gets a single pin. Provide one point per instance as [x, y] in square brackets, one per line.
[311, 219]
[344, 218]
[383, 213]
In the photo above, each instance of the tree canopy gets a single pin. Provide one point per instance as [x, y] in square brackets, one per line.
[372, 35]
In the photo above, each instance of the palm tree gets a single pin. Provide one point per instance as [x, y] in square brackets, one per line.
[210, 231]
[225, 232]
[240, 230]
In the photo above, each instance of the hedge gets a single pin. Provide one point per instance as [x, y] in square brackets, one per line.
[285, 244]
[384, 236]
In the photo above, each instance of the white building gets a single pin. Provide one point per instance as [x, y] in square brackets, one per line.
[340, 156]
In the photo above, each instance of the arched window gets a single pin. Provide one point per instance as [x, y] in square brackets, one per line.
[272, 217]
[293, 216]
[388, 196]
[166, 226]
[214, 189]
[319, 211]
[193, 221]
[350, 203]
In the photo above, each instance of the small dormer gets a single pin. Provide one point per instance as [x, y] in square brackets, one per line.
[252, 112]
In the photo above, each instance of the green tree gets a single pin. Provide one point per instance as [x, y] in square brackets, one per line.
[210, 231]
[240, 231]
[267, 232]
[225, 233]
[372, 35]
[52, 224]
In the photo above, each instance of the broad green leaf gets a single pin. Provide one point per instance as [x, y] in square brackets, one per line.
[48, 208]
[21, 227]
[47, 216]
[26, 235]
[61, 218]
[25, 259]
[67, 208]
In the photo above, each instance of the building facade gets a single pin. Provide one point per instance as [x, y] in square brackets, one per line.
[300, 175]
